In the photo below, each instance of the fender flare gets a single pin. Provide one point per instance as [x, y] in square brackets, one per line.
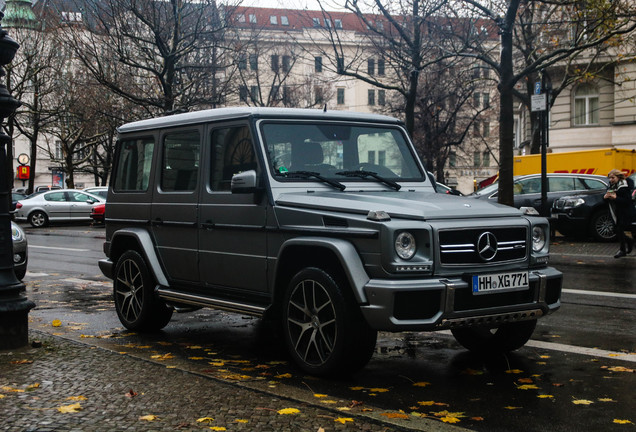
[346, 254]
[144, 240]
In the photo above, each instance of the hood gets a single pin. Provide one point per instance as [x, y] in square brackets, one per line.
[408, 205]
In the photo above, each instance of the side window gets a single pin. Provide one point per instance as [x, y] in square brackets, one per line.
[56, 197]
[232, 153]
[590, 184]
[79, 197]
[180, 165]
[134, 165]
[560, 184]
[528, 186]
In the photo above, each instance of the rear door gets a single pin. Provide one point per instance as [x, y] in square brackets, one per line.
[57, 205]
[174, 203]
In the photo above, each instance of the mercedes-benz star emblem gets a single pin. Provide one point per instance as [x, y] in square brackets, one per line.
[487, 246]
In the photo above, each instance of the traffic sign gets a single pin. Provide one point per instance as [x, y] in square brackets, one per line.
[537, 88]
[538, 102]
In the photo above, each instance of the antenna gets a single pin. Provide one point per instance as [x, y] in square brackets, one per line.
[325, 108]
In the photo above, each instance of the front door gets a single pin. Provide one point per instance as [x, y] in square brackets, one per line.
[232, 235]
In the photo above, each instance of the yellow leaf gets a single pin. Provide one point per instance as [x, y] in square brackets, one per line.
[162, 357]
[622, 421]
[217, 428]
[545, 356]
[525, 380]
[514, 371]
[512, 407]
[21, 362]
[2, 396]
[70, 408]
[32, 386]
[56, 323]
[344, 420]
[288, 411]
[379, 390]
[421, 384]
[582, 402]
[11, 389]
[194, 347]
[205, 420]
[149, 417]
[356, 388]
[395, 415]
[241, 421]
[620, 369]
[285, 375]
[320, 395]
[606, 400]
[328, 401]
[544, 396]
[450, 419]
[195, 358]
[76, 398]
[528, 387]
[427, 403]
[447, 414]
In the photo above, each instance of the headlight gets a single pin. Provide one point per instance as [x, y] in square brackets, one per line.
[538, 238]
[16, 233]
[573, 202]
[405, 245]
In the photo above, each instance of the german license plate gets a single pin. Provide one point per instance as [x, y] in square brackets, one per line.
[500, 282]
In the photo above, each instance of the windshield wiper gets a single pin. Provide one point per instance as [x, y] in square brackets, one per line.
[311, 174]
[365, 174]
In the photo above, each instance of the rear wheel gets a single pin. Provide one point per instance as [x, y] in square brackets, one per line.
[138, 307]
[507, 337]
[324, 330]
[602, 226]
[38, 219]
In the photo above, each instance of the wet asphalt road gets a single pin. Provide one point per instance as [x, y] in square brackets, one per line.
[576, 374]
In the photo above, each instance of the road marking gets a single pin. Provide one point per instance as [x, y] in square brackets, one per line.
[600, 293]
[85, 281]
[59, 248]
[594, 352]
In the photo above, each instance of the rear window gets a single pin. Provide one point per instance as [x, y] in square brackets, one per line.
[134, 165]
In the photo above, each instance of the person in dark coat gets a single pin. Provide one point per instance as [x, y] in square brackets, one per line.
[622, 209]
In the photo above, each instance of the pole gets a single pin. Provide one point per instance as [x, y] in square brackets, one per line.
[545, 88]
[14, 306]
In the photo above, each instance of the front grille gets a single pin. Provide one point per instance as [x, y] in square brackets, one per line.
[498, 245]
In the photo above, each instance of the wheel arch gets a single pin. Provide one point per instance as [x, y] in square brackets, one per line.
[140, 241]
[332, 255]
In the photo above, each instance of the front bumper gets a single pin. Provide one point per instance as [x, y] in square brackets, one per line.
[437, 304]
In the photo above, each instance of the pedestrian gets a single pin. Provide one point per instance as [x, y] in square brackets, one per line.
[622, 209]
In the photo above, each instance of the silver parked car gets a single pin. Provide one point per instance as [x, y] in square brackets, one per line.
[100, 191]
[64, 205]
[20, 255]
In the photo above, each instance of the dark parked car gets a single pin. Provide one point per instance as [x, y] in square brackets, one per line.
[527, 188]
[585, 214]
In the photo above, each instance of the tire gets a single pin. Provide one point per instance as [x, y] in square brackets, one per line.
[38, 219]
[324, 330]
[602, 226]
[505, 338]
[138, 308]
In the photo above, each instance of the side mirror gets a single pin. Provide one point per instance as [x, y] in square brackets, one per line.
[244, 182]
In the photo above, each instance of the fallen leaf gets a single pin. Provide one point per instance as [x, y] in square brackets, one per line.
[421, 384]
[320, 395]
[285, 375]
[528, 387]
[162, 357]
[344, 420]
[606, 400]
[514, 371]
[131, 394]
[378, 390]
[149, 417]
[512, 407]
[241, 421]
[56, 323]
[582, 402]
[73, 408]
[217, 428]
[395, 415]
[525, 380]
[620, 369]
[450, 419]
[622, 421]
[545, 396]
[32, 386]
[77, 398]
[21, 362]
[205, 420]
[356, 388]
[288, 411]
[477, 418]
[196, 358]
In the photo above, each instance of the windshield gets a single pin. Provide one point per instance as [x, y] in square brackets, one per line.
[331, 150]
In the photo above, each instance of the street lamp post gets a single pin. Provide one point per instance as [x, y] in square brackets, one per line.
[14, 305]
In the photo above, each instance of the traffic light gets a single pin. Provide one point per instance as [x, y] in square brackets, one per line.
[24, 171]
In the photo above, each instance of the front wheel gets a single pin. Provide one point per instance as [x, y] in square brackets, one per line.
[325, 332]
[138, 308]
[602, 226]
[38, 219]
[505, 338]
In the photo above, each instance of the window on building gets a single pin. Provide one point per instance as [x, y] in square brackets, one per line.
[476, 100]
[370, 97]
[254, 62]
[242, 62]
[273, 20]
[59, 154]
[452, 159]
[318, 64]
[240, 18]
[340, 63]
[252, 18]
[476, 131]
[381, 67]
[586, 105]
[243, 93]
[340, 96]
[319, 97]
[486, 98]
[286, 63]
[485, 160]
[275, 62]
[476, 158]
[286, 95]
[316, 22]
[254, 93]
[327, 23]
[486, 130]
[337, 23]
[371, 66]
[381, 97]
[284, 20]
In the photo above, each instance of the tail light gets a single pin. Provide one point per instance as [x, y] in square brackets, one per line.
[18, 205]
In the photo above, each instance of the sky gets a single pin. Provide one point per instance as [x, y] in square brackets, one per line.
[295, 4]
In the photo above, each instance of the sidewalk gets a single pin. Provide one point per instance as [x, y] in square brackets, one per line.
[109, 391]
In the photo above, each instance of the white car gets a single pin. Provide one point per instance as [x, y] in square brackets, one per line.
[64, 205]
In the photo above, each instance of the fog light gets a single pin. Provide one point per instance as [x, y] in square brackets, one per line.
[16, 258]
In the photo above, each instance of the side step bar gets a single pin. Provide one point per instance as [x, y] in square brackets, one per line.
[215, 303]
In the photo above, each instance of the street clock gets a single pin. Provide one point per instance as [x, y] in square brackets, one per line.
[23, 158]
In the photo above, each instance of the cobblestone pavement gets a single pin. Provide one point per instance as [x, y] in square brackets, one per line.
[109, 391]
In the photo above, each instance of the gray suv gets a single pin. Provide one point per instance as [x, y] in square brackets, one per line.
[325, 222]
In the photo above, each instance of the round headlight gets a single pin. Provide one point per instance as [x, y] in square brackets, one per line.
[538, 238]
[405, 245]
[16, 233]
